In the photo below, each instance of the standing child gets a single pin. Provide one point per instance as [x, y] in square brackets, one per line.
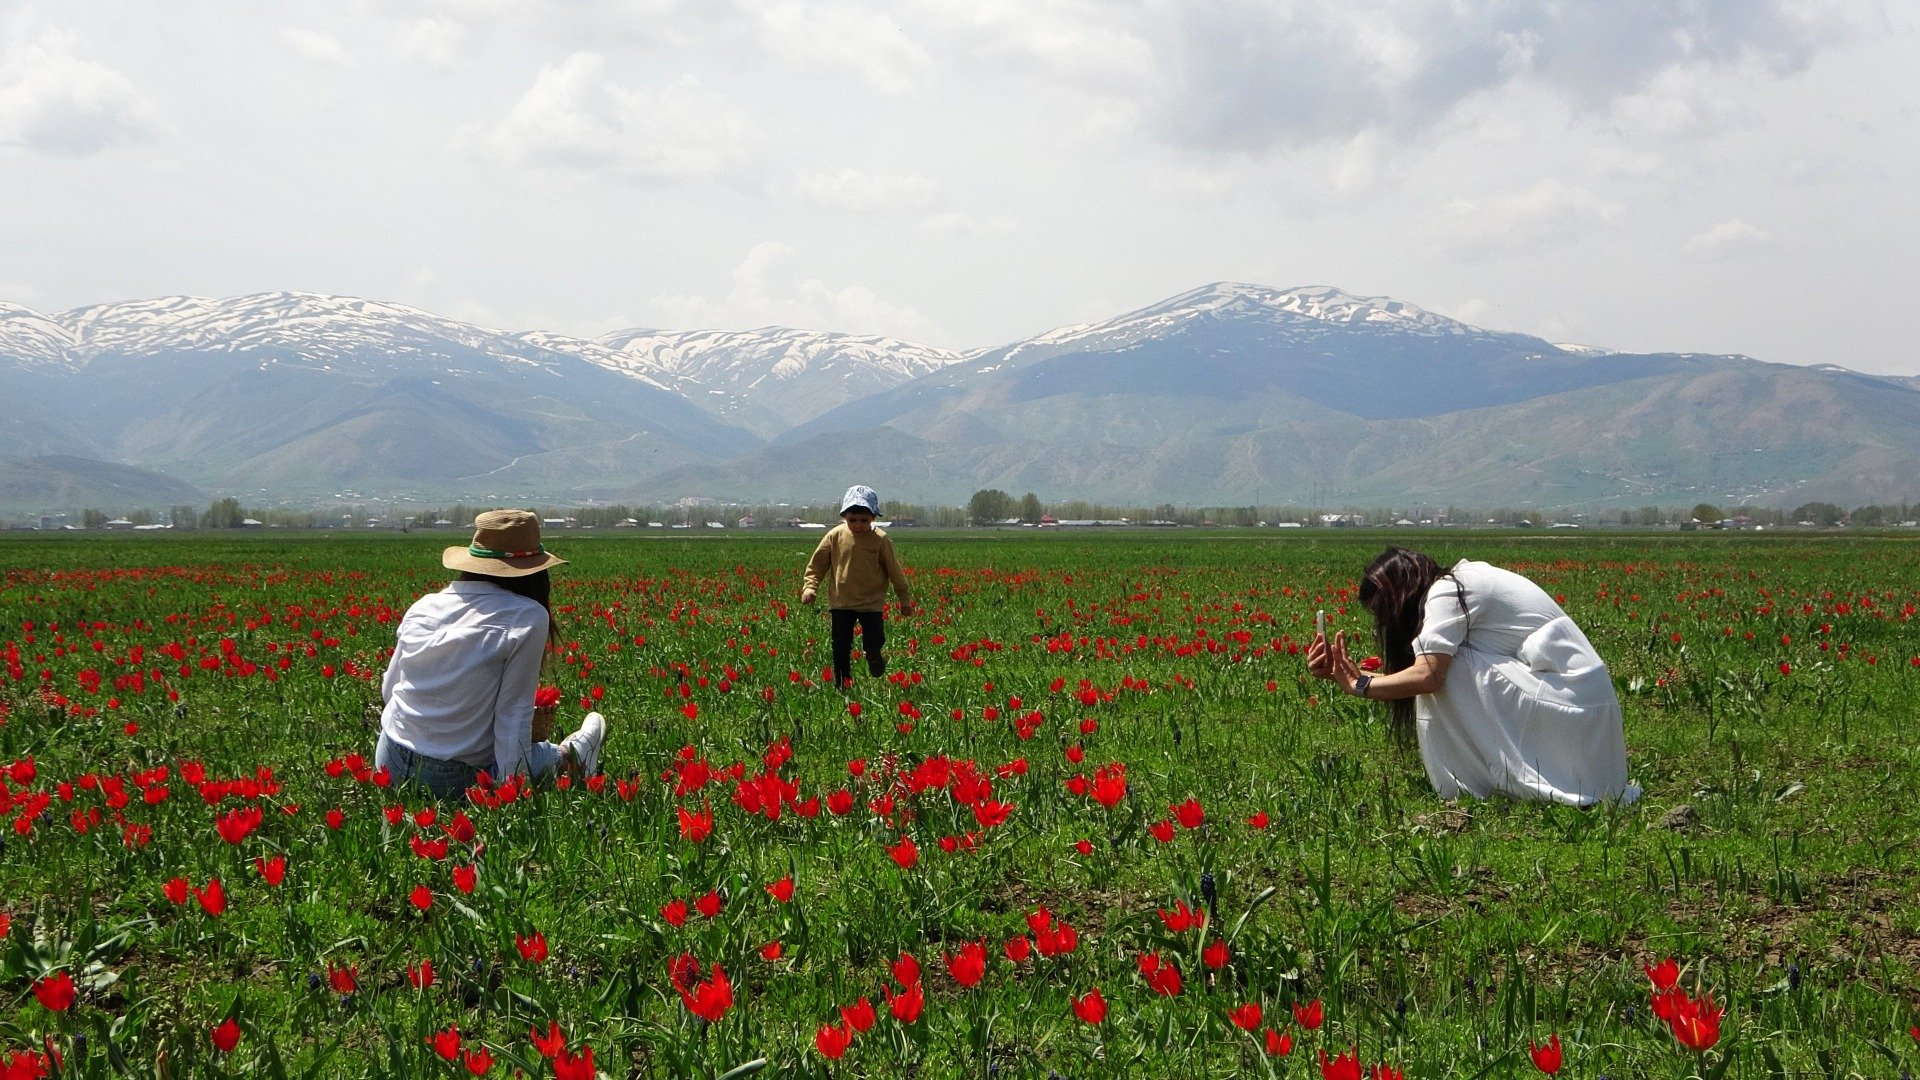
[857, 562]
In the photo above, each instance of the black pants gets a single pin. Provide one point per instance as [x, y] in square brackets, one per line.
[873, 639]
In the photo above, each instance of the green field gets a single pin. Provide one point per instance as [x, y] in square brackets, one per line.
[157, 691]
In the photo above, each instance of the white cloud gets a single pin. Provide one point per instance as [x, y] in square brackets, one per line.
[1726, 240]
[313, 45]
[574, 117]
[1093, 43]
[765, 291]
[866, 193]
[837, 35]
[954, 223]
[1548, 215]
[435, 42]
[54, 102]
[1251, 74]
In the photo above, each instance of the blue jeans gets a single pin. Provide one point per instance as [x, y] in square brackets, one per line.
[451, 779]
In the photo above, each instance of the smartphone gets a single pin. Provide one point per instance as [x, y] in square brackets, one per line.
[1320, 622]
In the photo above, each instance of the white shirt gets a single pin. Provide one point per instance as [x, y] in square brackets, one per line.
[465, 666]
[1528, 708]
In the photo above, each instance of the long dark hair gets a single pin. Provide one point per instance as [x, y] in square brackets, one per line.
[1394, 588]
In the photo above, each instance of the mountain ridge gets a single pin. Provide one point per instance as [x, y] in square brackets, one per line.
[1225, 393]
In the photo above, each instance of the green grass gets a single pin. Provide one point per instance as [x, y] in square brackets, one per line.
[1441, 940]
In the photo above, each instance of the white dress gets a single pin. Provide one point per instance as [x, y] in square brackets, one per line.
[1528, 709]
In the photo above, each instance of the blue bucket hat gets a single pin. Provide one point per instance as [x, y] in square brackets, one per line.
[861, 497]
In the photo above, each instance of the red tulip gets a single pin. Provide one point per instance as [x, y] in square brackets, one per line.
[550, 1044]
[446, 1043]
[1664, 975]
[906, 1005]
[709, 905]
[1546, 1058]
[55, 991]
[225, 1035]
[274, 870]
[675, 912]
[478, 1061]
[905, 853]
[568, 1066]
[1018, 949]
[1245, 1017]
[859, 1015]
[421, 897]
[177, 890]
[1310, 1015]
[344, 980]
[782, 890]
[465, 878]
[1279, 1044]
[1189, 813]
[832, 1041]
[420, 976]
[1386, 1072]
[1259, 820]
[1344, 1067]
[1182, 918]
[711, 998]
[906, 970]
[213, 898]
[970, 965]
[1090, 1007]
[1162, 830]
[771, 950]
[1161, 977]
[1215, 954]
[1696, 1024]
[532, 948]
[695, 828]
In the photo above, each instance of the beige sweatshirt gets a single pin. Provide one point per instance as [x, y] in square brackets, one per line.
[856, 569]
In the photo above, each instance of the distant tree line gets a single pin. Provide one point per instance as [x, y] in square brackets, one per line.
[993, 507]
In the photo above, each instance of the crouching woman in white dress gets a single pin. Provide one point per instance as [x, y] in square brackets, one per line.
[466, 663]
[1504, 694]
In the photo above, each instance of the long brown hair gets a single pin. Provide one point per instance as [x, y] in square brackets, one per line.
[1394, 588]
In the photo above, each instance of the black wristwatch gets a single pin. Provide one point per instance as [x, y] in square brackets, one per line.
[1360, 685]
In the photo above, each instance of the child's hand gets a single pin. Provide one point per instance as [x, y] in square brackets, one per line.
[806, 596]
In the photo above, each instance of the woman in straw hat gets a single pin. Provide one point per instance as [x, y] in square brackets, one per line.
[466, 664]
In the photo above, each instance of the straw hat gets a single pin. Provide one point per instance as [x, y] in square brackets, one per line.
[506, 543]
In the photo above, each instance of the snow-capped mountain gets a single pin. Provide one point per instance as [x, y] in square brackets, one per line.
[1311, 310]
[1224, 394]
[313, 329]
[793, 375]
[28, 337]
[762, 380]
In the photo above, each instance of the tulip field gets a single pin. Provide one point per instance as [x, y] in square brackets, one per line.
[1094, 822]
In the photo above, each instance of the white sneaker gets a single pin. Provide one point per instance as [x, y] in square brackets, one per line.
[583, 746]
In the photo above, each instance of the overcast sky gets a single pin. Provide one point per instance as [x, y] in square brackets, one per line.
[1715, 175]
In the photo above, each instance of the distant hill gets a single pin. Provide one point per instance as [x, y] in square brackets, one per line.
[1227, 394]
[59, 480]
